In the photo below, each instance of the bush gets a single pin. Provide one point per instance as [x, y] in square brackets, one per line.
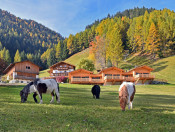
[61, 79]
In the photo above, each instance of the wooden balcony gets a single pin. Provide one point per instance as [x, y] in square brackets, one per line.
[24, 77]
[129, 79]
[86, 81]
[96, 81]
[113, 78]
[145, 76]
[80, 80]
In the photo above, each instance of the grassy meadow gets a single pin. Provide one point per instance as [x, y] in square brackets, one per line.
[153, 110]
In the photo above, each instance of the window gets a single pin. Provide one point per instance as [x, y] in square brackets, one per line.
[116, 75]
[76, 77]
[27, 67]
[85, 77]
[108, 74]
[95, 77]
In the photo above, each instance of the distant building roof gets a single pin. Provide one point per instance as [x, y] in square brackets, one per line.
[111, 68]
[60, 63]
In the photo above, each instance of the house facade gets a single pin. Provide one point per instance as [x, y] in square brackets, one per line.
[25, 70]
[112, 76]
[61, 69]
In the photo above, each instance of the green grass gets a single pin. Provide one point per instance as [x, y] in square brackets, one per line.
[44, 73]
[154, 110]
[165, 69]
[76, 58]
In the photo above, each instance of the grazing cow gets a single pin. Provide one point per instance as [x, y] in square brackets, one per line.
[96, 91]
[126, 94]
[38, 87]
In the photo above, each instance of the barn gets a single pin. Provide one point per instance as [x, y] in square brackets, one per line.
[25, 70]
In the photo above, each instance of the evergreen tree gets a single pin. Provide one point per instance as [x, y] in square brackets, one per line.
[115, 49]
[153, 40]
[65, 50]
[17, 57]
[7, 57]
[1, 47]
[30, 57]
[23, 56]
[51, 59]
[58, 51]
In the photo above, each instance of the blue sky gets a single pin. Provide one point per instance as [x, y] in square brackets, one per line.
[72, 16]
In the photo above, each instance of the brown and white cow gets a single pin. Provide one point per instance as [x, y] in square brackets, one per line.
[126, 94]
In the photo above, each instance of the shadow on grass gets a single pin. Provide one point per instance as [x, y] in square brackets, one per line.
[155, 103]
[159, 66]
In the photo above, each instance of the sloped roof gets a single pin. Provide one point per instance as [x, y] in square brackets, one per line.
[60, 63]
[81, 70]
[144, 66]
[13, 64]
[111, 68]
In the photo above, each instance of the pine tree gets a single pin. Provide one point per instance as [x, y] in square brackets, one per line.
[30, 57]
[65, 50]
[58, 51]
[17, 57]
[153, 40]
[1, 47]
[7, 57]
[51, 59]
[115, 48]
[70, 44]
[23, 56]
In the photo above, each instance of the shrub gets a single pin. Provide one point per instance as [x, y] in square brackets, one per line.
[61, 79]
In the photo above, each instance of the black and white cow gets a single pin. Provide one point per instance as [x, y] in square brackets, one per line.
[96, 91]
[38, 87]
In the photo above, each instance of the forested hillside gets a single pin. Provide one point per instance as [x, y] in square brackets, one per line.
[148, 31]
[152, 34]
[27, 36]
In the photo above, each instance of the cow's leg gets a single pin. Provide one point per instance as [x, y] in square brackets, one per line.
[52, 94]
[57, 96]
[40, 97]
[34, 97]
[131, 104]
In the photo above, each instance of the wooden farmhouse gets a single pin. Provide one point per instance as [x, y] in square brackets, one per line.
[25, 70]
[143, 72]
[61, 69]
[112, 75]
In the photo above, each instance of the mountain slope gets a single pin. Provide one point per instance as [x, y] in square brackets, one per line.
[165, 69]
[76, 58]
[25, 35]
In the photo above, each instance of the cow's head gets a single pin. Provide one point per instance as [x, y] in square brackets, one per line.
[123, 97]
[24, 93]
[23, 96]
